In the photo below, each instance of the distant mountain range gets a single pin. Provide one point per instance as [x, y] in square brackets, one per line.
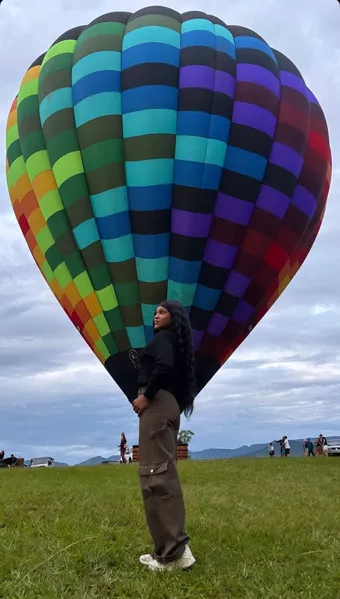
[258, 450]
[98, 459]
[215, 453]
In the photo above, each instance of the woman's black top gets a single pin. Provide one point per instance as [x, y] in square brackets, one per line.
[123, 442]
[160, 365]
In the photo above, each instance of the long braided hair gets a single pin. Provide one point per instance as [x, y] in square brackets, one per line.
[180, 325]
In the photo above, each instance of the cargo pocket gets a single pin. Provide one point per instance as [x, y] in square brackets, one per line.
[155, 479]
[158, 431]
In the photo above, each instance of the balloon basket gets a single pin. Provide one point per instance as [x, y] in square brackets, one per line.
[182, 452]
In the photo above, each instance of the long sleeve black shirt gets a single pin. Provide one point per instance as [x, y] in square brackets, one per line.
[159, 365]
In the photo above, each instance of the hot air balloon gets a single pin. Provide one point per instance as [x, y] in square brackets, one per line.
[162, 155]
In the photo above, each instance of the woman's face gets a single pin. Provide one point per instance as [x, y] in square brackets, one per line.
[162, 318]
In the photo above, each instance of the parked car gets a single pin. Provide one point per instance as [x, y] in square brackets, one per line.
[334, 447]
[42, 463]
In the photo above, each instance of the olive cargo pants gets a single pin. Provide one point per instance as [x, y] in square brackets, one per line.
[159, 481]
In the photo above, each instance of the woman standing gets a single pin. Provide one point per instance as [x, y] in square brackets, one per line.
[286, 447]
[122, 447]
[167, 388]
[318, 446]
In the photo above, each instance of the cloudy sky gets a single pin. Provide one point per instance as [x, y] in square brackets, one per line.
[56, 398]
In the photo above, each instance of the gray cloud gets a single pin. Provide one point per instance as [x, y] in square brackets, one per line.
[285, 379]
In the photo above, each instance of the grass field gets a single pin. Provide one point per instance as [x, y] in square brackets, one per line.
[260, 528]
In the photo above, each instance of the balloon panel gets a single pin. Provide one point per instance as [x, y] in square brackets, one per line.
[157, 155]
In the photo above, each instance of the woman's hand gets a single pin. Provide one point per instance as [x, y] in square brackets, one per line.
[140, 404]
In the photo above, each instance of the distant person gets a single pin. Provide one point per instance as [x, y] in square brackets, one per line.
[286, 447]
[324, 445]
[310, 448]
[281, 446]
[305, 447]
[319, 446]
[122, 447]
[271, 450]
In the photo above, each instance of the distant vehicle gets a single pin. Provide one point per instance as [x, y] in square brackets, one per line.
[42, 463]
[334, 447]
[128, 456]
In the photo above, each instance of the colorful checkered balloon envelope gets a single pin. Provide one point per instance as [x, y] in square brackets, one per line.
[157, 155]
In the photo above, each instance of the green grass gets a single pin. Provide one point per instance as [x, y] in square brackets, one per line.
[260, 528]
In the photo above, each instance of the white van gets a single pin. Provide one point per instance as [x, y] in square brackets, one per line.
[128, 456]
[42, 463]
[334, 447]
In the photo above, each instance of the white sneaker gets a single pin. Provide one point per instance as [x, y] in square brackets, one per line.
[185, 562]
[146, 559]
